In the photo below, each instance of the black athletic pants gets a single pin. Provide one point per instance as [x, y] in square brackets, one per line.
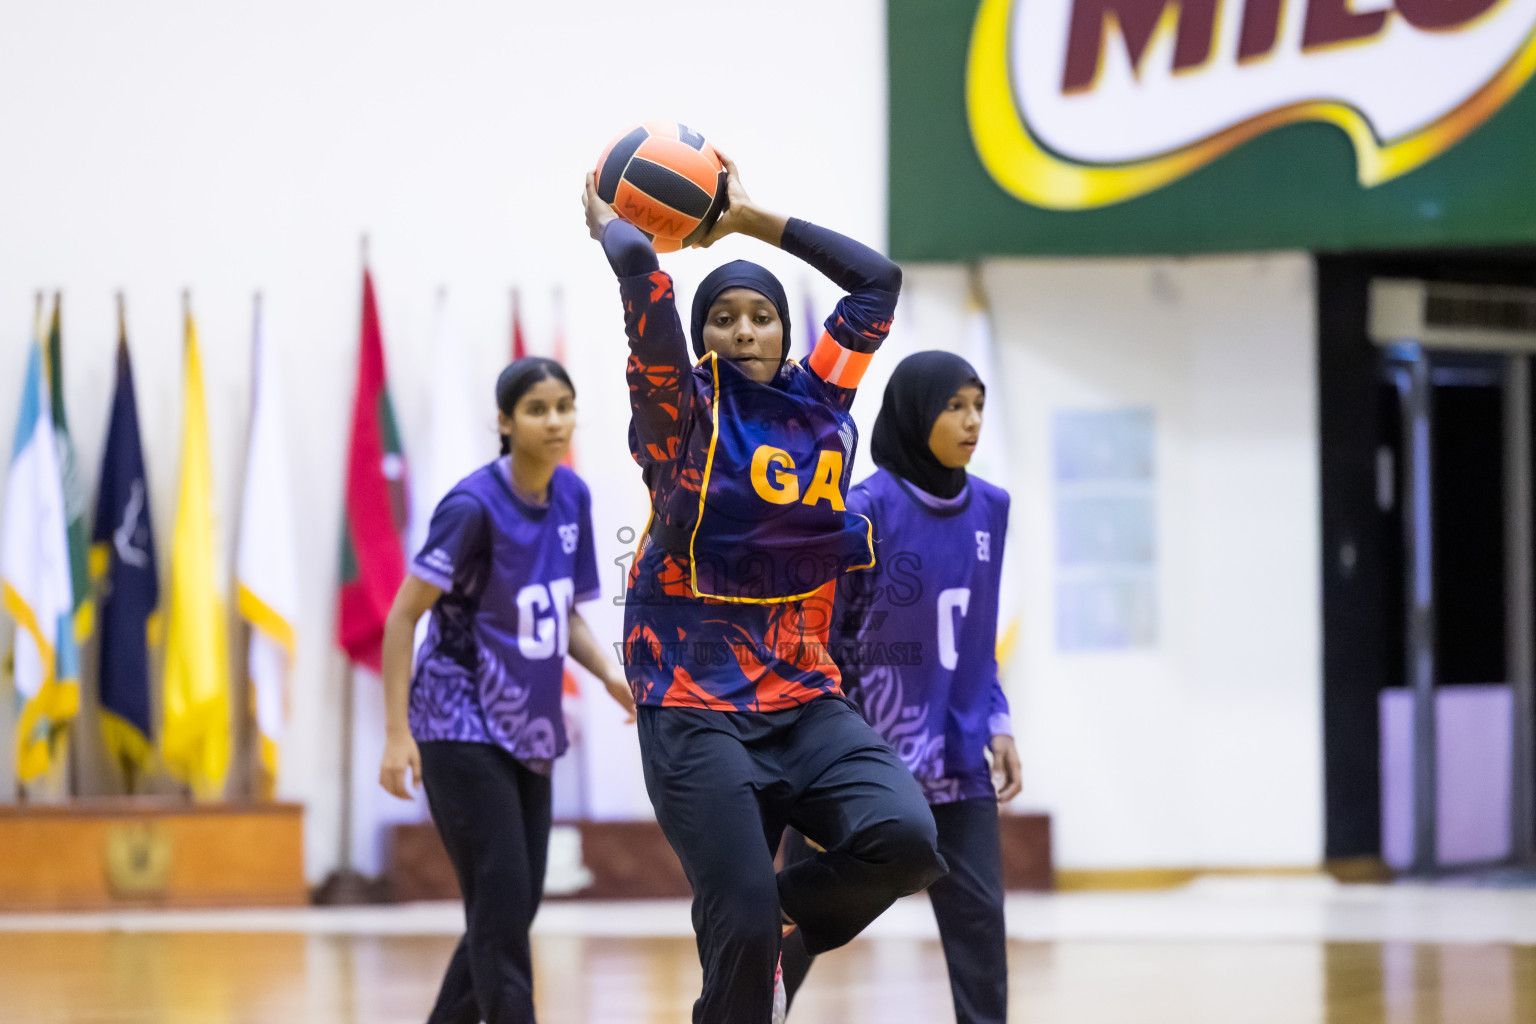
[725, 784]
[967, 903]
[494, 816]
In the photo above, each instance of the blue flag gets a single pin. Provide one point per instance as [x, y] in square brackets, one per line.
[123, 551]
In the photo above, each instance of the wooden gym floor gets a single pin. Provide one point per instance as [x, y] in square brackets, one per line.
[1233, 955]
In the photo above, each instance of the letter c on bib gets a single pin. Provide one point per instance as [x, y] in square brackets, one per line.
[783, 488]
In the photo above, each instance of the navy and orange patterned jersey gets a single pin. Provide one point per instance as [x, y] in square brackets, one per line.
[713, 446]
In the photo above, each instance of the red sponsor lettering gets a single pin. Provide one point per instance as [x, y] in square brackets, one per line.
[1327, 23]
[1137, 20]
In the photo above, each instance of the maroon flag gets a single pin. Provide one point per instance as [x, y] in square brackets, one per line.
[558, 355]
[519, 346]
[372, 552]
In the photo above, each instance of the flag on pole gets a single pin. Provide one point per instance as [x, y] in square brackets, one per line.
[35, 585]
[457, 441]
[123, 565]
[372, 556]
[195, 741]
[266, 563]
[991, 459]
[74, 491]
[557, 353]
[568, 685]
[519, 344]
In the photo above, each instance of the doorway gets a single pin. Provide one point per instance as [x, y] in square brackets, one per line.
[1426, 467]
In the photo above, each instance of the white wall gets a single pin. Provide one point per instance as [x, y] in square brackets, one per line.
[170, 144]
[1204, 750]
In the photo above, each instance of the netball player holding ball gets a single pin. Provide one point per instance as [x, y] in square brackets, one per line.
[939, 540]
[743, 725]
[508, 554]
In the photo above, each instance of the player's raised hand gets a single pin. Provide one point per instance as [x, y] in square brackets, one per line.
[598, 213]
[742, 215]
[738, 206]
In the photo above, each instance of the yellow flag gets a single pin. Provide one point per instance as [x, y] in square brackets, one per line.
[195, 740]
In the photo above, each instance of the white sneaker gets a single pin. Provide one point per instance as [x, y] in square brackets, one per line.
[780, 997]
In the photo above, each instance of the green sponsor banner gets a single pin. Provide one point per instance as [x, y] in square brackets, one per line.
[1082, 127]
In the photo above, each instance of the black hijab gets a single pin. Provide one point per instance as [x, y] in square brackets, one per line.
[916, 394]
[737, 274]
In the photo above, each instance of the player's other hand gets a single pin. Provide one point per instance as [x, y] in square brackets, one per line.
[400, 768]
[738, 206]
[1007, 772]
[618, 689]
[598, 212]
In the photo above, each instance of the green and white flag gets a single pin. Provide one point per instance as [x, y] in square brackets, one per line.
[35, 581]
[83, 610]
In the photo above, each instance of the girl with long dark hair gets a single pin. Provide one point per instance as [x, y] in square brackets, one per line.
[508, 556]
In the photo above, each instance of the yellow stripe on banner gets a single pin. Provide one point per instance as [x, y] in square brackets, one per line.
[268, 753]
[1007, 641]
[54, 705]
[129, 747]
[26, 618]
[31, 750]
[99, 560]
[263, 617]
[85, 622]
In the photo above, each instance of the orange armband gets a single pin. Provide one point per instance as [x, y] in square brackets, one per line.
[837, 365]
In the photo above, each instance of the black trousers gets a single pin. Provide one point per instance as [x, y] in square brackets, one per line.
[967, 903]
[494, 817]
[725, 785]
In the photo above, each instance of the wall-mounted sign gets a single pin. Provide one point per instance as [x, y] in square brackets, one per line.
[1031, 126]
[1106, 529]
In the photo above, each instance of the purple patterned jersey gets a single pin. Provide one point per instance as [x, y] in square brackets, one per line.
[490, 669]
[916, 637]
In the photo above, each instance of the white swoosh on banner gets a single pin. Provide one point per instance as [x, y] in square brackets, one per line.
[122, 537]
[1403, 94]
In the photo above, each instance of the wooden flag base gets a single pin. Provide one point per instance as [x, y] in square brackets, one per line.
[149, 852]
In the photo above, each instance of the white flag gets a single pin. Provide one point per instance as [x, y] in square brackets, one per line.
[455, 445]
[266, 569]
[453, 448]
[35, 579]
[991, 458]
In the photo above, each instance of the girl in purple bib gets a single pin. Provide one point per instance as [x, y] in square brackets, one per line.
[508, 556]
[915, 638]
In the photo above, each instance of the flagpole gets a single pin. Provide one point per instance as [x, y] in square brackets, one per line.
[186, 317]
[125, 765]
[252, 781]
[346, 886]
[71, 766]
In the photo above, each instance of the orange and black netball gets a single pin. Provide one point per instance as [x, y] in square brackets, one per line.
[665, 179]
